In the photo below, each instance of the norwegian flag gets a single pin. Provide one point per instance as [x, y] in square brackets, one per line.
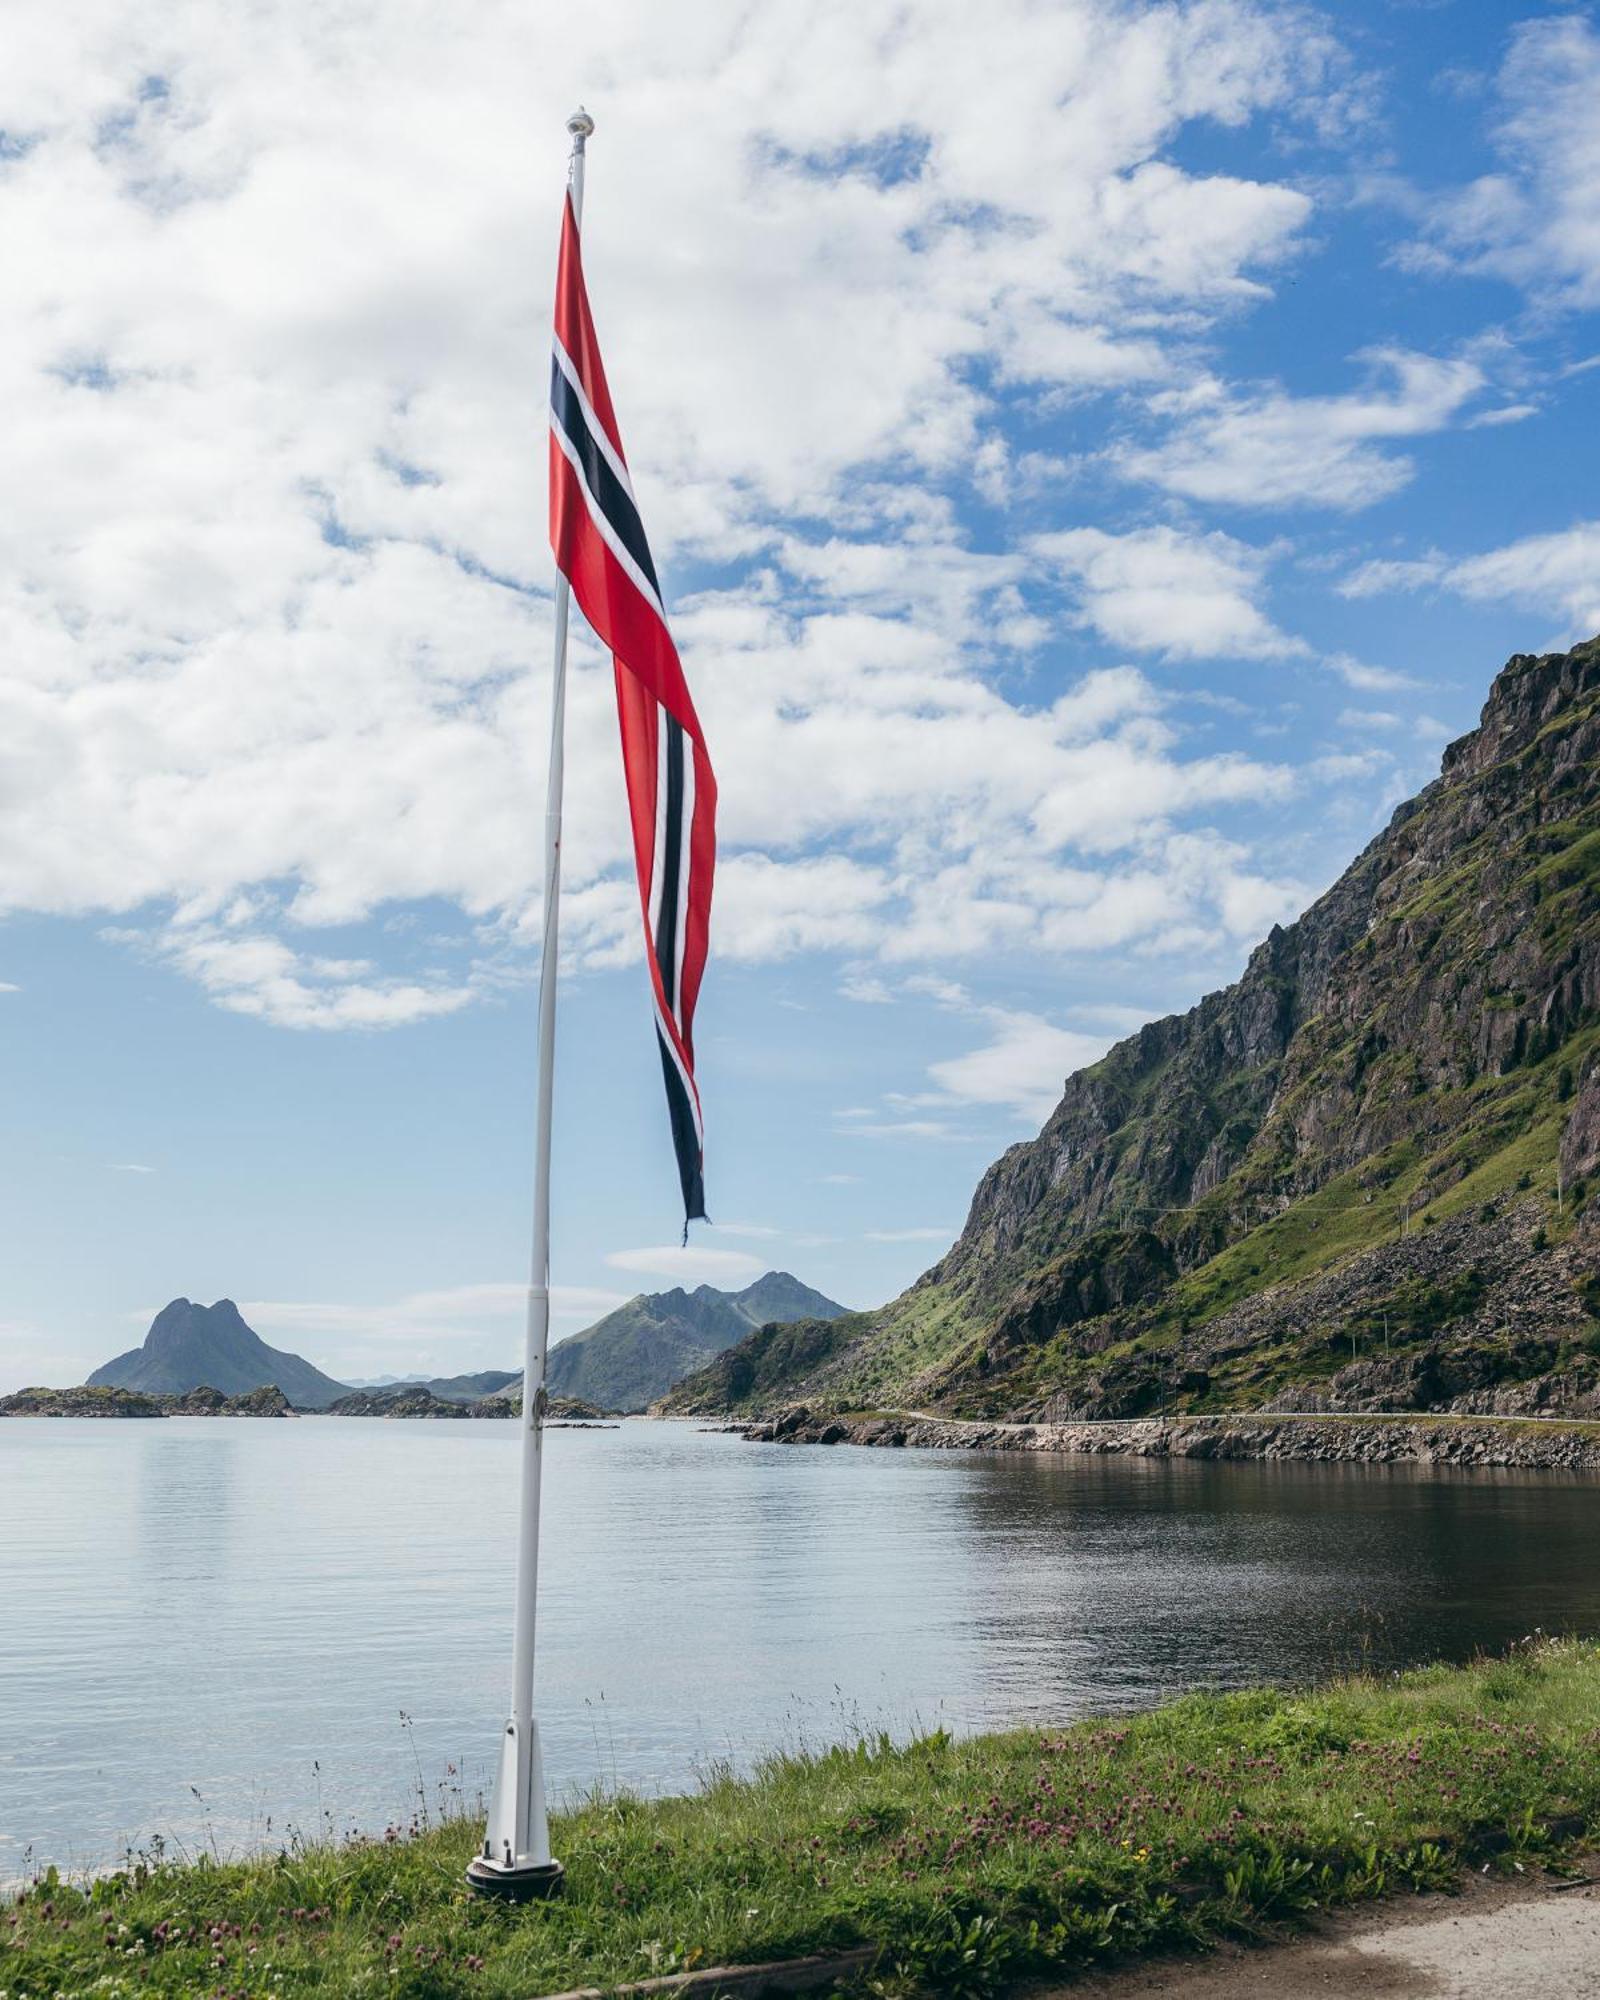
[600, 548]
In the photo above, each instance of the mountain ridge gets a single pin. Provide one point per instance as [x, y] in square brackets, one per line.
[640, 1350]
[1416, 1053]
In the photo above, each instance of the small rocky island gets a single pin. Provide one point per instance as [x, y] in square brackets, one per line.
[416, 1399]
[101, 1400]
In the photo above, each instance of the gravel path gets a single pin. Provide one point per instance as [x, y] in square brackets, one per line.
[1522, 1940]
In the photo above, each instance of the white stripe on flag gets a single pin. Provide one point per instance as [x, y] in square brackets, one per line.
[685, 827]
[658, 846]
[597, 514]
[597, 430]
[690, 1092]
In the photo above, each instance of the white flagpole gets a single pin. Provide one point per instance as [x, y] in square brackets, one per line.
[516, 1860]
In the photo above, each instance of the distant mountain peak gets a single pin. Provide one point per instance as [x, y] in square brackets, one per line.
[192, 1346]
[636, 1353]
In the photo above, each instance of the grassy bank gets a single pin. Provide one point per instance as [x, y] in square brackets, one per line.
[972, 1864]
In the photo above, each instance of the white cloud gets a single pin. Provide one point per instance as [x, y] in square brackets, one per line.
[934, 1235]
[1185, 596]
[1023, 1066]
[1535, 222]
[1369, 680]
[1506, 413]
[7, 987]
[1272, 449]
[1372, 579]
[689, 1264]
[270, 511]
[1557, 573]
[130, 1167]
[260, 975]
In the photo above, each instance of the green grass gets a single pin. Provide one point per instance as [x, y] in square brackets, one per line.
[915, 1333]
[970, 1865]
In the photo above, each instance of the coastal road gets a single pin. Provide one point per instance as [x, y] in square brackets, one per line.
[1234, 1416]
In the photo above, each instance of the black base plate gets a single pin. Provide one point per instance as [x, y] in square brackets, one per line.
[515, 1885]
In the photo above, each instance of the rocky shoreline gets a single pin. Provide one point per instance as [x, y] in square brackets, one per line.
[1365, 1439]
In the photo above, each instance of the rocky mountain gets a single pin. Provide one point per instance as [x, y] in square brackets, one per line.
[635, 1354]
[449, 1388]
[1356, 1179]
[191, 1346]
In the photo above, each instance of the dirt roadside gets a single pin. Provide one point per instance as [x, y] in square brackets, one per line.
[1526, 1938]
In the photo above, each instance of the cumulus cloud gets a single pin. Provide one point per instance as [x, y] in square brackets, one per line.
[273, 596]
[1268, 448]
[1543, 571]
[1535, 221]
[275, 610]
[1185, 596]
[251, 973]
[1558, 573]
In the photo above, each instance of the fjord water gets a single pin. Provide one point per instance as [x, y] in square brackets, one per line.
[220, 1631]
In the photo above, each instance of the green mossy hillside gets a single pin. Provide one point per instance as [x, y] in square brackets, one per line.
[1402, 1091]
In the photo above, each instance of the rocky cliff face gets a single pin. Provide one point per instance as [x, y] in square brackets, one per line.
[1389, 1121]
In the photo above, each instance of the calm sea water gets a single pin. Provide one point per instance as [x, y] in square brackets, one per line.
[211, 1630]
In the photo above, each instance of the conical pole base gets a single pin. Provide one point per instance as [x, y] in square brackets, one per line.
[533, 1884]
[515, 1862]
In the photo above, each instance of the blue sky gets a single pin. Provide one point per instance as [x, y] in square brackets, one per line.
[1097, 456]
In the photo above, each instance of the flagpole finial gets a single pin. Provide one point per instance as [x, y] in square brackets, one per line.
[581, 126]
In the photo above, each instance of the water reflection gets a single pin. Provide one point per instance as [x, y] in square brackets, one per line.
[211, 1629]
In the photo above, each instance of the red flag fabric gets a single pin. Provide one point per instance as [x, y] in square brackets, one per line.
[600, 547]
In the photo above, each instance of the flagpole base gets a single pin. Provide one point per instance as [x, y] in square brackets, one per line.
[533, 1883]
